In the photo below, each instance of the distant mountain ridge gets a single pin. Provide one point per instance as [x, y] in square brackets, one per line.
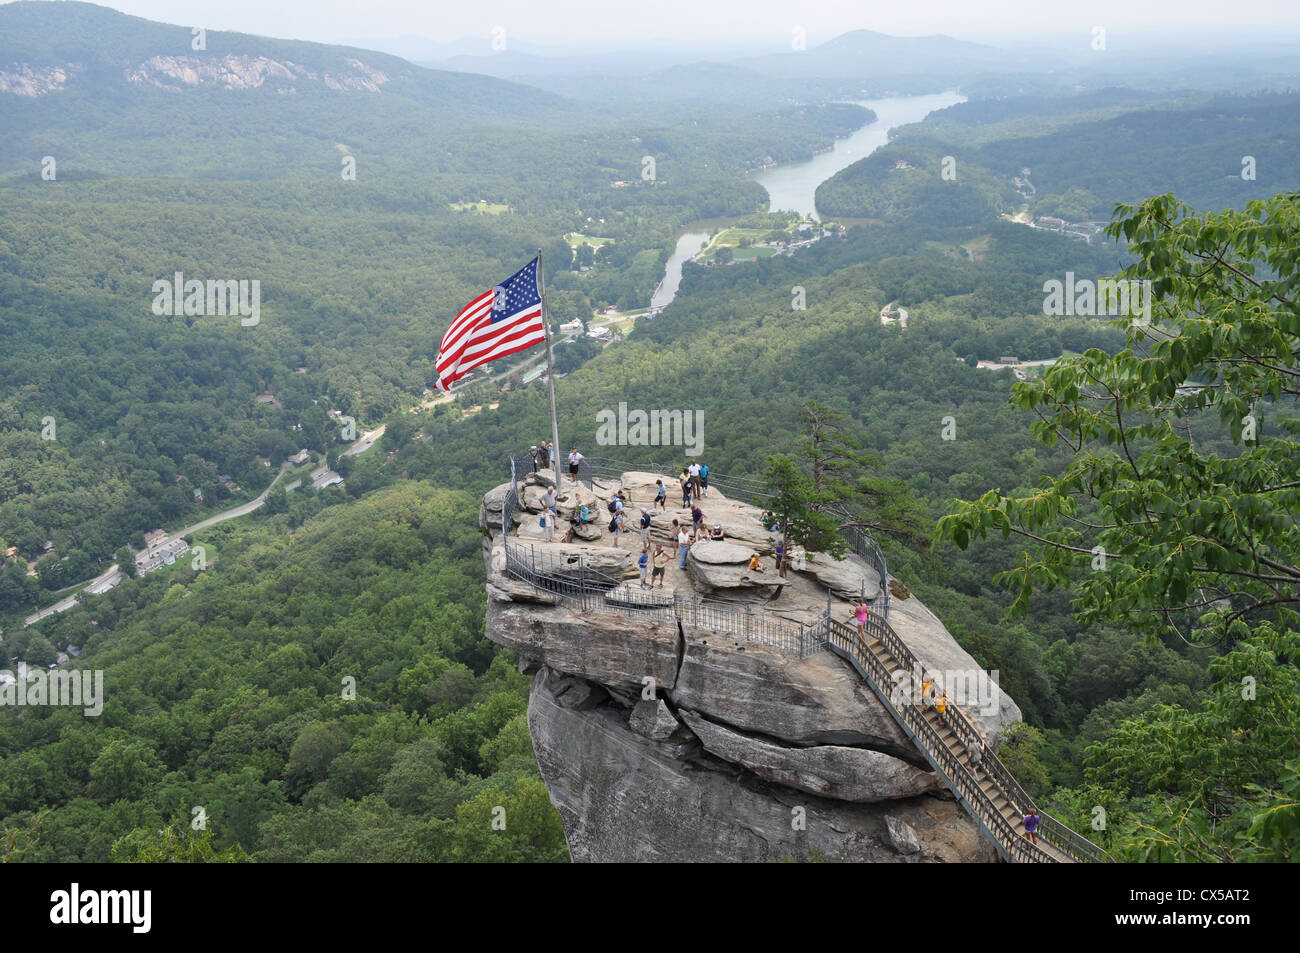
[46, 48]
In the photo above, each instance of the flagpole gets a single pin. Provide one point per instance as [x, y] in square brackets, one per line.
[550, 374]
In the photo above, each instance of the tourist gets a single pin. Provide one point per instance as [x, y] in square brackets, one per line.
[977, 757]
[661, 496]
[645, 528]
[549, 514]
[697, 518]
[780, 559]
[661, 560]
[677, 535]
[686, 490]
[1031, 826]
[941, 709]
[861, 613]
[616, 526]
[683, 546]
[694, 479]
[927, 693]
[716, 533]
[584, 515]
[643, 565]
[544, 456]
[575, 458]
[754, 564]
[704, 478]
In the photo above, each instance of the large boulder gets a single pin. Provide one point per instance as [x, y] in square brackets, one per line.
[847, 578]
[722, 566]
[817, 700]
[490, 512]
[721, 553]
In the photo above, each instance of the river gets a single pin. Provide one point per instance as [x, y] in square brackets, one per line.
[794, 186]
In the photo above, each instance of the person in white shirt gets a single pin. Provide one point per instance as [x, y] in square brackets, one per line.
[694, 478]
[575, 458]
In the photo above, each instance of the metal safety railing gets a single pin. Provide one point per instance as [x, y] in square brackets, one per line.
[902, 698]
[754, 493]
[567, 578]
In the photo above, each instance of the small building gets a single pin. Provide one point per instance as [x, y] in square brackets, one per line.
[1009, 359]
[48, 546]
[11, 552]
[227, 479]
[198, 495]
[154, 537]
[299, 458]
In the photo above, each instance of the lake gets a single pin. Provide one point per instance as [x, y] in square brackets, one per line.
[794, 186]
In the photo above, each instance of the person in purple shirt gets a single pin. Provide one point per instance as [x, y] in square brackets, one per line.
[1031, 826]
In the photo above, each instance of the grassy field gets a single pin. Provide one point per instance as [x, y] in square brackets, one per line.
[574, 239]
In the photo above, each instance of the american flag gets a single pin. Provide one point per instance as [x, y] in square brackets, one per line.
[496, 323]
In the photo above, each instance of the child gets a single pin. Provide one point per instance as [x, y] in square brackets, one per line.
[643, 564]
[661, 496]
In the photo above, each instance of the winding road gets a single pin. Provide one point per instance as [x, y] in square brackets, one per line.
[113, 575]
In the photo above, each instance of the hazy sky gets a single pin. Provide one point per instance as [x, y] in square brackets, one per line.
[620, 23]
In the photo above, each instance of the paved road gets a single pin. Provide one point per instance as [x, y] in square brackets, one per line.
[366, 441]
[113, 576]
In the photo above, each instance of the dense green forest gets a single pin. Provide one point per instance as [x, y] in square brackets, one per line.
[1084, 154]
[322, 694]
[322, 689]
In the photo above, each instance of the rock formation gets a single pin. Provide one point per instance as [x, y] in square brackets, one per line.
[662, 739]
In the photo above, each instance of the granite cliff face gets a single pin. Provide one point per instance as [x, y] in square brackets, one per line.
[665, 740]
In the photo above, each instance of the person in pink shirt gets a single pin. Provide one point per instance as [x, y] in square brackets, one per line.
[861, 612]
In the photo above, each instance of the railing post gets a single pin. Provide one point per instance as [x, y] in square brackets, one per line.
[749, 620]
